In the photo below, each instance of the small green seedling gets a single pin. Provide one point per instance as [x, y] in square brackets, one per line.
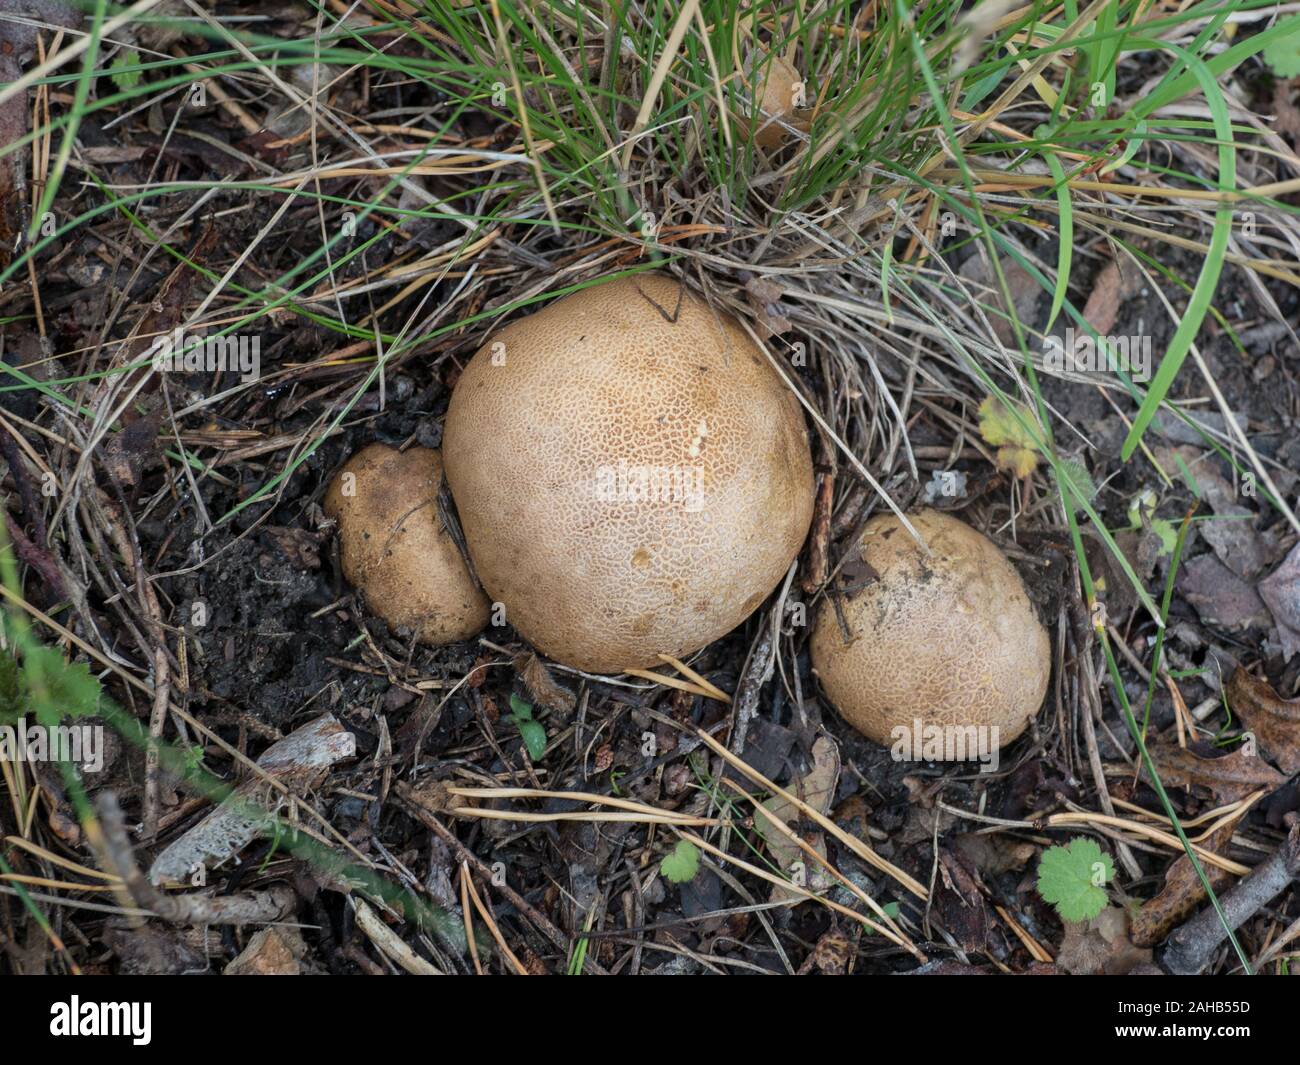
[1004, 429]
[1003, 426]
[681, 863]
[1142, 510]
[1074, 878]
[1282, 53]
[533, 734]
[124, 77]
[890, 910]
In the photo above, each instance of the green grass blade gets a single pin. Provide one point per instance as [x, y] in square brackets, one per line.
[1208, 279]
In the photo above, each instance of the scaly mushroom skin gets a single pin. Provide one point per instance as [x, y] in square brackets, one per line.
[632, 475]
[949, 640]
[393, 546]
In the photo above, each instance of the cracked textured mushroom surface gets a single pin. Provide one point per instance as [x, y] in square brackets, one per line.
[394, 549]
[632, 475]
[950, 639]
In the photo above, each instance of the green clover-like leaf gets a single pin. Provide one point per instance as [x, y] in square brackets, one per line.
[1282, 53]
[1073, 879]
[681, 863]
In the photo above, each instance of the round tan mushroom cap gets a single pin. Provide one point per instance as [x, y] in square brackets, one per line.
[948, 640]
[394, 548]
[632, 475]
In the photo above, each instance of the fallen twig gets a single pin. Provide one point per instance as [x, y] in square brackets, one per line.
[389, 943]
[1190, 949]
[254, 907]
[297, 763]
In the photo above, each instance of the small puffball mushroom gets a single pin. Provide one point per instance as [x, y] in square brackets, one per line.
[632, 474]
[394, 548]
[949, 639]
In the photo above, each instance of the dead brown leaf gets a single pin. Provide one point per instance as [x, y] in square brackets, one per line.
[271, 952]
[1229, 778]
[127, 454]
[1281, 591]
[959, 901]
[1107, 293]
[1101, 945]
[300, 547]
[833, 954]
[765, 298]
[542, 686]
[995, 855]
[152, 950]
[1182, 893]
[1220, 597]
[1274, 721]
[817, 789]
[1285, 111]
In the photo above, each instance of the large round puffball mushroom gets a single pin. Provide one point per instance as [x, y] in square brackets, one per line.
[632, 474]
[947, 639]
[394, 548]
